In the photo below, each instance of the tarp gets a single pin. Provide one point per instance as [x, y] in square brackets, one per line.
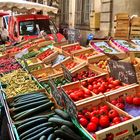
[20, 5]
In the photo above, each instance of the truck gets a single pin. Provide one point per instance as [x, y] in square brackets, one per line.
[30, 26]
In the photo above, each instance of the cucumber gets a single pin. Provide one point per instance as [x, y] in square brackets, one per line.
[33, 118]
[35, 94]
[47, 124]
[70, 131]
[29, 106]
[26, 98]
[57, 116]
[21, 95]
[59, 139]
[60, 121]
[30, 124]
[43, 137]
[45, 132]
[51, 137]
[34, 133]
[17, 115]
[35, 110]
[61, 134]
[62, 114]
[26, 102]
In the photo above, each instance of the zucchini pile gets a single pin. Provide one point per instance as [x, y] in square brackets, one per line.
[30, 104]
[55, 126]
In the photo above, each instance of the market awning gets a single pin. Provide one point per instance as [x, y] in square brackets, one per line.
[20, 5]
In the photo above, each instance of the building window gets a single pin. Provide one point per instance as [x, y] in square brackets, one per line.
[82, 12]
[64, 13]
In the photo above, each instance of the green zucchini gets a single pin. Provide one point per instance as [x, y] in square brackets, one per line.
[43, 137]
[51, 137]
[57, 116]
[35, 110]
[58, 139]
[47, 124]
[33, 118]
[26, 102]
[70, 131]
[17, 115]
[30, 124]
[45, 132]
[60, 121]
[29, 106]
[62, 114]
[61, 134]
[34, 133]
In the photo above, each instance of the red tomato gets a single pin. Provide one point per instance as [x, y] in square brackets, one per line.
[113, 113]
[116, 82]
[120, 105]
[84, 83]
[94, 120]
[96, 91]
[104, 121]
[88, 115]
[102, 89]
[116, 119]
[90, 87]
[120, 100]
[90, 80]
[88, 92]
[129, 99]
[91, 127]
[136, 101]
[105, 107]
[73, 96]
[103, 112]
[114, 102]
[83, 122]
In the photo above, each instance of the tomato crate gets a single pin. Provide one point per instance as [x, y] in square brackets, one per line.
[58, 46]
[101, 130]
[85, 71]
[69, 63]
[69, 49]
[85, 54]
[47, 56]
[45, 73]
[82, 94]
[124, 100]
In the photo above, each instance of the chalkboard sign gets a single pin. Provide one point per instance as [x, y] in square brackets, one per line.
[67, 73]
[124, 71]
[69, 105]
[56, 93]
[73, 35]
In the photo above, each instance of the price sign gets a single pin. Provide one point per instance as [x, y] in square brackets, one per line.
[69, 105]
[124, 71]
[56, 93]
[67, 73]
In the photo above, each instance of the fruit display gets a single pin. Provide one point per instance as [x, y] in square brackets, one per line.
[96, 118]
[70, 65]
[126, 45]
[18, 82]
[77, 94]
[104, 47]
[45, 54]
[58, 82]
[13, 50]
[83, 75]
[128, 103]
[56, 125]
[8, 65]
[101, 84]
[37, 67]
[101, 64]
[72, 48]
[29, 55]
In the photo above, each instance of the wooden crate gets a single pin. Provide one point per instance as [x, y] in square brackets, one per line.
[57, 67]
[58, 45]
[64, 49]
[36, 67]
[87, 67]
[122, 16]
[33, 61]
[45, 73]
[78, 85]
[76, 55]
[135, 21]
[116, 129]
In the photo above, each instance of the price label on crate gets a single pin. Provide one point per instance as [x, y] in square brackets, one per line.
[69, 105]
[124, 71]
[56, 93]
[67, 73]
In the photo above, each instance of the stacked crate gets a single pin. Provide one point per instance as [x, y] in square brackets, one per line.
[122, 26]
[135, 28]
